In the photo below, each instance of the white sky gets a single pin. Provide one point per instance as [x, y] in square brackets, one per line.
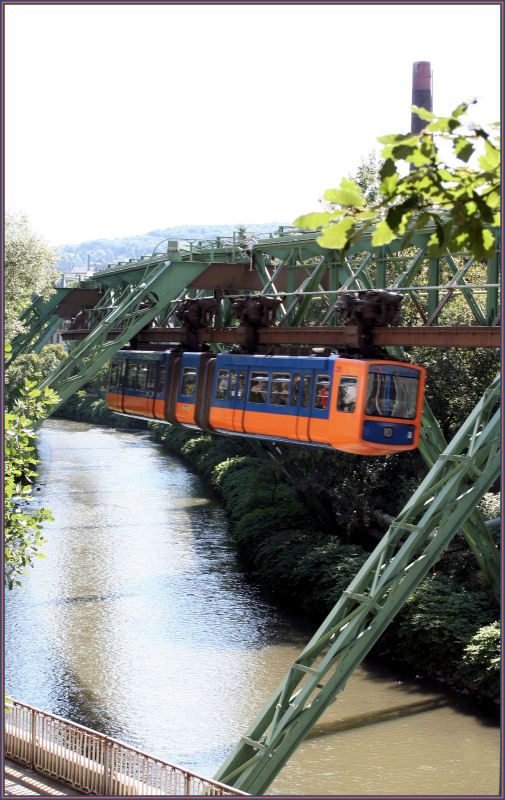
[124, 118]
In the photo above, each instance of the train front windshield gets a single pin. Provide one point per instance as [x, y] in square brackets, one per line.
[392, 395]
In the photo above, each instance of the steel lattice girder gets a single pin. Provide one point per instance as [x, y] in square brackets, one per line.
[458, 480]
[37, 318]
[133, 307]
[124, 282]
[294, 263]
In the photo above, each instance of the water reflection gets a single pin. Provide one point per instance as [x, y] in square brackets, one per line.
[140, 623]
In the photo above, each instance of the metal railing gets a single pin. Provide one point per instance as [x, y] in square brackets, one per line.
[96, 764]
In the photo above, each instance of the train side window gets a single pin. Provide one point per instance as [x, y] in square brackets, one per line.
[306, 391]
[142, 377]
[151, 377]
[241, 383]
[295, 389]
[279, 388]
[122, 372]
[114, 373]
[188, 381]
[233, 382]
[222, 384]
[347, 393]
[322, 391]
[131, 376]
[161, 380]
[258, 387]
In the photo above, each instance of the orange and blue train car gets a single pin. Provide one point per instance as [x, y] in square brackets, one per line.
[365, 406]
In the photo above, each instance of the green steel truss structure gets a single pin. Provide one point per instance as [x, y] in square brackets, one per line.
[439, 508]
[290, 266]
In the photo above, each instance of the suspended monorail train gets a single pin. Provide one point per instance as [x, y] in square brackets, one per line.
[370, 407]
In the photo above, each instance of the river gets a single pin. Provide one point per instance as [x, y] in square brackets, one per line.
[140, 623]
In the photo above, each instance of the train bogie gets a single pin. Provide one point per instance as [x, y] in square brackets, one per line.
[355, 405]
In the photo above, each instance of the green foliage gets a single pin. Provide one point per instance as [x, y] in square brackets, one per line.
[462, 201]
[352, 488]
[368, 178]
[282, 543]
[86, 407]
[29, 267]
[436, 624]
[456, 380]
[490, 505]
[22, 526]
[482, 660]
[33, 367]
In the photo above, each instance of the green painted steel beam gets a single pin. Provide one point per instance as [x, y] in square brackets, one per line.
[134, 308]
[147, 289]
[442, 504]
[34, 319]
[53, 324]
[492, 298]
[308, 285]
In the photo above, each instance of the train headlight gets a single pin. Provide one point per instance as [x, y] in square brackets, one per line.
[387, 432]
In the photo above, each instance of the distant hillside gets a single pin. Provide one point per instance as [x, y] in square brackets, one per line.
[99, 252]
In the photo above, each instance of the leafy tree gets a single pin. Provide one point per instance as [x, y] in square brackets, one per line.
[456, 379]
[35, 367]
[29, 267]
[462, 201]
[22, 527]
[368, 178]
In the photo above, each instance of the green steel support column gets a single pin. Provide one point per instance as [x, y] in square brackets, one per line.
[131, 312]
[432, 441]
[35, 318]
[433, 280]
[359, 278]
[458, 480]
[380, 276]
[333, 284]
[467, 291]
[292, 268]
[407, 276]
[45, 337]
[309, 285]
[492, 300]
[226, 311]
[270, 284]
[267, 280]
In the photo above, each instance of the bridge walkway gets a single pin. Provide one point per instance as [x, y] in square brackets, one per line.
[20, 781]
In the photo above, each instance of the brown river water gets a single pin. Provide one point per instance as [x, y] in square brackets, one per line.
[141, 624]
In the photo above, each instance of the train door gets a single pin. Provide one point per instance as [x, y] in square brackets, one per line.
[151, 388]
[238, 386]
[159, 391]
[320, 405]
[301, 393]
[174, 371]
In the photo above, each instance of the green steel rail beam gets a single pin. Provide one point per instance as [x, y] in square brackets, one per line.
[283, 258]
[35, 320]
[458, 480]
[286, 256]
[133, 308]
[293, 266]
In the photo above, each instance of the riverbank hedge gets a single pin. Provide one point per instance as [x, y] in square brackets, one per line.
[447, 630]
[86, 407]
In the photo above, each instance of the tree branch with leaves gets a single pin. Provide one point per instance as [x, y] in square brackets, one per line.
[22, 525]
[449, 175]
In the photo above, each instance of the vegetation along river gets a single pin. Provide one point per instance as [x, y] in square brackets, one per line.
[140, 623]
